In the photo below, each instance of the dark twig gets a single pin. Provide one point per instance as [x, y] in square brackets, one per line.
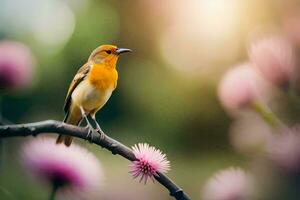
[51, 126]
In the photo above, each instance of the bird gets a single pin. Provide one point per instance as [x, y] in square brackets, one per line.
[91, 88]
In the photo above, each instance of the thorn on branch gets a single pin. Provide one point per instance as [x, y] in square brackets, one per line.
[114, 147]
[176, 193]
[6, 128]
[32, 129]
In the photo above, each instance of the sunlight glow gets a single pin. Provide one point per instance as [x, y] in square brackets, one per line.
[201, 32]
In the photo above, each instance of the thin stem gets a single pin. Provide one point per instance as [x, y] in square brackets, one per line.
[115, 147]
[267, 115]
[2, 144]
[292, 94]
[53, 192]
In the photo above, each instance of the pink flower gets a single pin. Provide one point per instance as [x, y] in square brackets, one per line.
[284, 150]
[274, 58]
[250, 134]
[229, 184]
[16, 62]
[291, 25]
[150, 161]
[73, 170]
[238, 87]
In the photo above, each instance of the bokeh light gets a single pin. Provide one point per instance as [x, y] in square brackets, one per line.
[38, 21]
[199, 33]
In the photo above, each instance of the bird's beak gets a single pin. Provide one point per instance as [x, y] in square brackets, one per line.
[122, 50]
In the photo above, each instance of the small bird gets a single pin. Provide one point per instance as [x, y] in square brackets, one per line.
[91, 88]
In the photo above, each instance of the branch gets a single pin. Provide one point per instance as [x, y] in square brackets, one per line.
[115, 147]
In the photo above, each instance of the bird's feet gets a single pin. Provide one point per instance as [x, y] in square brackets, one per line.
[102, 134]
[99, 130]
[91, 134]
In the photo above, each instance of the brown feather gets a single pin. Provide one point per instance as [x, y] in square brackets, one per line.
[73, 116]
[80, 76]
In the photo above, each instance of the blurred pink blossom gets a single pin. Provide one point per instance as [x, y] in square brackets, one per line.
[229, 184]
[249, 133]
[76, 172]
[238, 88]
[274, 58]
[291, 25]
[150, 161]
[16, 63]
[284, 150]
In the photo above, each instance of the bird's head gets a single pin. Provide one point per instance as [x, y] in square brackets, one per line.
[107, 54]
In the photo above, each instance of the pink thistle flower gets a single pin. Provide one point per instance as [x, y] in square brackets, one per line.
[238, 87]
[16, 63]
[149, 162]
[284, 150]
[73, 170]
[229, 184]
[274, 58]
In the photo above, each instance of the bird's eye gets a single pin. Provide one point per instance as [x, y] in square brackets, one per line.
[108, 51]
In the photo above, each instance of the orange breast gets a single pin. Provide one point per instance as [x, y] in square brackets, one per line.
[103, 77]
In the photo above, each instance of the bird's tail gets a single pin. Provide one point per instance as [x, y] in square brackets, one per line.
[70, 118]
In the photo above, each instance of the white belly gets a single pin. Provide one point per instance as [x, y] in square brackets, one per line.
[87, 96]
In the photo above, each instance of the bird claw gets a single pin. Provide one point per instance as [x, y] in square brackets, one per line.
[99, 130]
[91, 131]
[102, 134]
[90, 135]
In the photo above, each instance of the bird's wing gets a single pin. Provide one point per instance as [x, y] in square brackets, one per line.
[80, 76]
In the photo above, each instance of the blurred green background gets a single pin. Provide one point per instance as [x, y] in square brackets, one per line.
[166, 94]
